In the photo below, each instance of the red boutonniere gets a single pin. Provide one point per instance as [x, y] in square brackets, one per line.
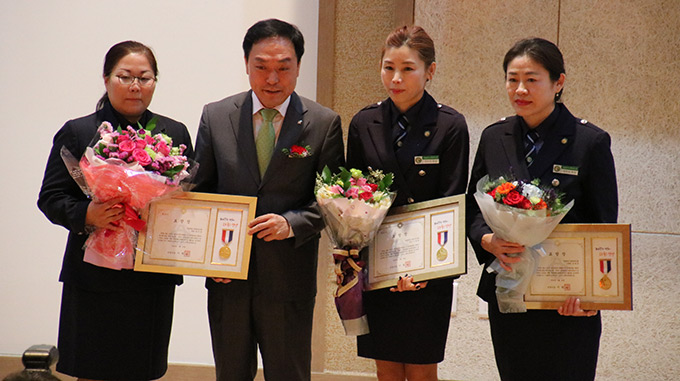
[297, 152]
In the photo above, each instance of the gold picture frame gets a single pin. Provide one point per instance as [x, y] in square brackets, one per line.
[425, 240]
[201, 234]
[589, 261]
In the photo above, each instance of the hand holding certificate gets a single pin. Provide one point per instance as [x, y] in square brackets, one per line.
[587, 261]
[425, 240]
[200, 234]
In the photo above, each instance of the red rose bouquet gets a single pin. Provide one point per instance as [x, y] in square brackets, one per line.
[353, 206]
[521, 212]
[130, 163]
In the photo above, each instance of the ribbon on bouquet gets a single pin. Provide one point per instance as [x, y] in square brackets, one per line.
[345, 258]
[349, 294]
[132, 218]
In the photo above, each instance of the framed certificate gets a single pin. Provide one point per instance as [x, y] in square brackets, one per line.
[425, 240]
[201, 234]
[589, 261]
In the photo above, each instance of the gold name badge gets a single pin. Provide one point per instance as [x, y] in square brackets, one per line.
[565, 169]
[422, 160]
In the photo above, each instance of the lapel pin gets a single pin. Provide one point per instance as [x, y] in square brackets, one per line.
[300, 121]
[564, 140]
[427, 134]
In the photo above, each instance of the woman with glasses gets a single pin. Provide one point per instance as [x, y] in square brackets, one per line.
[114, 324]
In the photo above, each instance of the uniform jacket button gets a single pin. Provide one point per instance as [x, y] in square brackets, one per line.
[422, 172]
[410, 200]
[555, 182]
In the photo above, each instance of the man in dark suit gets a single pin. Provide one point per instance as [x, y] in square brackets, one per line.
[272, 309]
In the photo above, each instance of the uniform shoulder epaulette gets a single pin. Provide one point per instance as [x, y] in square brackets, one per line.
[372, 106]
[446, 109]
[502, 120]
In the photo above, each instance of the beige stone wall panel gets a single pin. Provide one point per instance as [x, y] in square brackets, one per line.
[361, 29]
[623, 74]
[471, 38]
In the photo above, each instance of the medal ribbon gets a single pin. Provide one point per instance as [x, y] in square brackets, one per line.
[608, 263]
[224, 235]
[445, 238]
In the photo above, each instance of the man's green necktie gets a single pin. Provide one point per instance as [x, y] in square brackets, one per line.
[266, 137]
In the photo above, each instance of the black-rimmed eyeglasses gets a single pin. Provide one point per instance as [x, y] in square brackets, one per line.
[129, 80]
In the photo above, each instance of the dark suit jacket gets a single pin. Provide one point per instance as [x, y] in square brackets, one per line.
[62, 201]
[441, 132]
[225, 149]
[571, 142]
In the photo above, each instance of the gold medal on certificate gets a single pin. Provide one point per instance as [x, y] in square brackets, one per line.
[605, 267]
[227, 237]
[442, 239]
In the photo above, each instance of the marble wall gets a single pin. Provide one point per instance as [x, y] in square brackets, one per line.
[623, 72]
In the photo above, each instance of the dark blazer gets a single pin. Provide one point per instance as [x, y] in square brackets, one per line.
[64, 203]
[441, 132]
[285, 269]
[571, 142]
[436, 131]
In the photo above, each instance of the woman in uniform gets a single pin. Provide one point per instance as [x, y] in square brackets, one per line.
[114, 324]
[540, 142]
[409, 323]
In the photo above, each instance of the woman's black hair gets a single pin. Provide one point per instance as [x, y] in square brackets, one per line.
[542, 51]
[116, 53]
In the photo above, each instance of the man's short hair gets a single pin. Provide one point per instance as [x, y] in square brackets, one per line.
[274, 28]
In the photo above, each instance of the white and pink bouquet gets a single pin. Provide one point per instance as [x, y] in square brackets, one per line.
[353, 206]
[136, 165]
[521, 212]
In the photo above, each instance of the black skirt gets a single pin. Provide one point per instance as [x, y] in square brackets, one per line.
[544, 345]
[408, 327]
[115, 335]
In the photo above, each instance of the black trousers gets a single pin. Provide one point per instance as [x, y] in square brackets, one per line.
[241, 320]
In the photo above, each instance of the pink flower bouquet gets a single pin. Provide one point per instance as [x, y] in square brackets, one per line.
[521, 212]
[135, 165]
[353, 206]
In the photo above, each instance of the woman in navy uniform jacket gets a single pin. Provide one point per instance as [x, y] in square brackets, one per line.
[409, 323]
[573, 156]
[113, 325]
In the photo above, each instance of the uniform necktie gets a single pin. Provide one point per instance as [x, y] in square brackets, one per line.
[530, 146]
[264, 143]
[401, 130]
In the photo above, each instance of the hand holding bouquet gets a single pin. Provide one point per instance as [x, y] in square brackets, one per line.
[132, 164]
[353, 206]
[524, 213]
